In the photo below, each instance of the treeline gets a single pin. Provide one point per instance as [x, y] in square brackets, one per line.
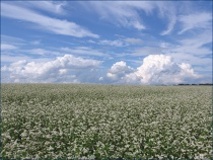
[198, 84]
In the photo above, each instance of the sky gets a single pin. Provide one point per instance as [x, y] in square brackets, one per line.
[106, 42]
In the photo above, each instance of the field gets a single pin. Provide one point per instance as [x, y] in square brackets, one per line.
[105, 121]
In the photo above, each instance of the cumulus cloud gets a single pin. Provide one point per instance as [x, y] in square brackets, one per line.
[161, 69]
[63, 69]
[156, 69]
[119, 70]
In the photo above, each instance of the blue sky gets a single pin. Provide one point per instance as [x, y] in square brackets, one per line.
[109, 42]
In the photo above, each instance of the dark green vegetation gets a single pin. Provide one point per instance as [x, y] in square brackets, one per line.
[96, 121]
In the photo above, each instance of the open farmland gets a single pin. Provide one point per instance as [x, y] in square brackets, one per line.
[102, 121]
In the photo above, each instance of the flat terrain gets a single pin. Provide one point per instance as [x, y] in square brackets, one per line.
[104, 121]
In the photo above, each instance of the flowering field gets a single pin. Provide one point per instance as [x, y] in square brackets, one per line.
[102, 121]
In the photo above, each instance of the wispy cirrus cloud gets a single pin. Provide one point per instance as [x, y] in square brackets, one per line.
[7, 47]
[119, 13]
[171, 25]
[36, 42]
[40, 52]
[55, 7]
[118, 42]
[201, 20]
[194, 49]
[127, 13]
[196, 45]
[167, 11]
[82, 50]
[12, 40]
[54, 25]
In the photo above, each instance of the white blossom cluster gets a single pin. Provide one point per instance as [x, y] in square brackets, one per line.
[104, 121]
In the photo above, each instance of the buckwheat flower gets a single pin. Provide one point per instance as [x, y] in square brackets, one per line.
[24, 134]
[50, 148]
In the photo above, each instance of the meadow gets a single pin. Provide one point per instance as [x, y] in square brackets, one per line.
[79, 121]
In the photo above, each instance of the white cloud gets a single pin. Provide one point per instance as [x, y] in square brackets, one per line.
[138, 25]
[118, 42]
[133, 41]
[63, 69]
[127, 13]
[199, 40]
[201, 20]
[36, 42]
[194, 49]
[171, 25]
[41, 52]
[199, 63]
[7, 47]
[52, 7]
[144, 51]
[121, 42]
[82, 51]
[10, 40]
[54, 25]
[161, 69]
[167, 10]
[120, 13]
[119, 67]
[119, 70]
[12, 58]
[101, 78]
[156, 69]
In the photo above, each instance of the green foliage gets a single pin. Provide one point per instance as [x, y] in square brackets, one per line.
[99, 121]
